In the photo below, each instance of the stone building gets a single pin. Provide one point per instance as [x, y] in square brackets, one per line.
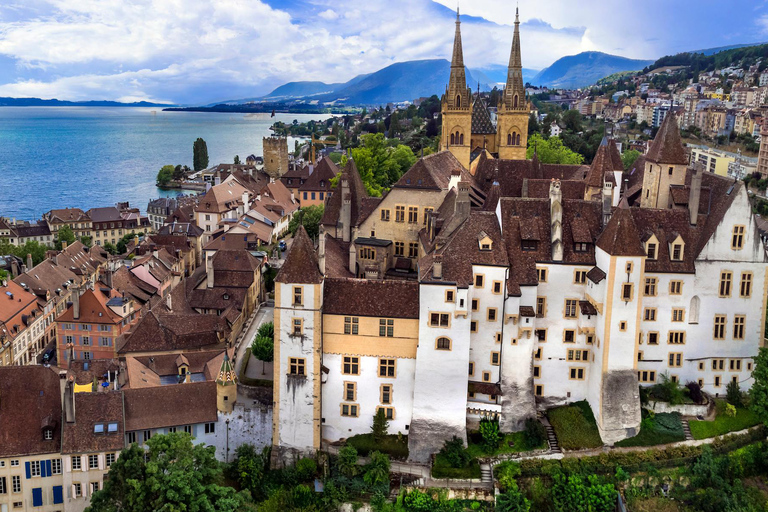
[275, 156]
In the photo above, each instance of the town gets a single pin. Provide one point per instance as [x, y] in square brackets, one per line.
[476, 293]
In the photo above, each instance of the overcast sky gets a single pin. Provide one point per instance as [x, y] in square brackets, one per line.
[201, 51]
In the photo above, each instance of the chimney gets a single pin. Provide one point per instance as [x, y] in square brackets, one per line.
[455, 179]
[695, 194]
[556, 219]
[437, 266]
[209, 271]
[311, 169]
[217, 179]
[63, 244]
[29, 262]
[321, 250]
[607, 199]
[76, 303]
[69, 400]
[462, 205]
[346, 209]
[168, 303]
[14, 268]
[245, 202]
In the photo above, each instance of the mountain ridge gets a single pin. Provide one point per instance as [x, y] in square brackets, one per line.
[584, 69]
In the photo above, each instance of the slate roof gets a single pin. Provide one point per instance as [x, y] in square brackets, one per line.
[433, 172]
[357, 193]
[180, 228]
[31, 400]
[362, 297]
[336, 257]
[163, 331]
[301, 264]
[667, 147]
[481, 119]
[167, 406]
[620, 236]
[91, 409]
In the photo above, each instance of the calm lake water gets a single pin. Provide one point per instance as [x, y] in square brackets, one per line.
[58, 157]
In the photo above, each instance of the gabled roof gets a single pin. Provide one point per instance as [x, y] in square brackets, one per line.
[601, 165]
[301, 264]
[667, 147]
[320, 179]
[167, 406]
[93, 309]
[67, 215]
[432, 172]
[357, 193]
[162, 332]
[104, 408]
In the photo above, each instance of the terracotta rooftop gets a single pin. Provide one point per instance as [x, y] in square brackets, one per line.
[167, 406]
[90, 432]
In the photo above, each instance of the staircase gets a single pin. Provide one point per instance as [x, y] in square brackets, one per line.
[554, 446]
[486, 474]
[687, 430]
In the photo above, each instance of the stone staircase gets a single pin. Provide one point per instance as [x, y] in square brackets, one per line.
[554, 446]
[486, 473]
[687, 430]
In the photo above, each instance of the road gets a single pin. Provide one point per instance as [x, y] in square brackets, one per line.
[265, 314]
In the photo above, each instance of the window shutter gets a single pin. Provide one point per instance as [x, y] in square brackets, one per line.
[68, 464]
[84, 465]
[58, 494]
[37, 497]
[72, 491]
[48, 471]
[29, 471]
[101, 461]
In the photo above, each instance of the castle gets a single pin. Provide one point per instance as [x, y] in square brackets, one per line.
[513, 288]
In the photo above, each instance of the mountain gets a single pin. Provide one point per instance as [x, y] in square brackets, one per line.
[497, 73]
[585, 69]
[302, 89]
[37, 102]
[712, 51]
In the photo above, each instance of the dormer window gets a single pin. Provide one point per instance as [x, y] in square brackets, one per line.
[529, 245]
[581, 247]
[650, 250]
[484, 241]
[677, 252]
[48, 434]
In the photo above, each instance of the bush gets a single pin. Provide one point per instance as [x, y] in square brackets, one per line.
[507, 473]
[535, 433]
[733, 394]
[394, 445]
[489, 429]
[668, 390]
[306, 469]
[656, 429]
[377, 471]
[454, 453]
[694, 392]
[347, 461]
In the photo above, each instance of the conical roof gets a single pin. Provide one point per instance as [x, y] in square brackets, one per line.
[600, 166]
[667, 147]
[620, 236]
[301, 265]
[227, 375]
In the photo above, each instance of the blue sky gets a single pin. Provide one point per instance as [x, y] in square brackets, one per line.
[201, 51]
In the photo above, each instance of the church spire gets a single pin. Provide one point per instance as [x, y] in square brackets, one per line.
[458, 80]
[514, 88]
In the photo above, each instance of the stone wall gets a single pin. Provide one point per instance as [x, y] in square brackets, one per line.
[621, 406]
[683, 409]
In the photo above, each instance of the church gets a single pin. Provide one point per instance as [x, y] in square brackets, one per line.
[467, 129]
[514, 288]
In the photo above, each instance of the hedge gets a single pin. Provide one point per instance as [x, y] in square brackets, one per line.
[636, 461]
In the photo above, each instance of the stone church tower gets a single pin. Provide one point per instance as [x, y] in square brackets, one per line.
[457, 106]
[513, 109]
[275, 156]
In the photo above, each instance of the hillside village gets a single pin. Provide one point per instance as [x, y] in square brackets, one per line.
[436, 296]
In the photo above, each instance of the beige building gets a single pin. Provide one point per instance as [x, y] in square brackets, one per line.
[713, 160]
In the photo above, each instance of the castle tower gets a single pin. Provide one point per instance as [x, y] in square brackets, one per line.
[226, 386]
[665, 165]
[513, 110]
[457, 106]
[275, 156]
[296, 417]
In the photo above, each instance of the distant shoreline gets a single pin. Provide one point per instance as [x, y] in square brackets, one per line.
[253, 109]
[37, 102]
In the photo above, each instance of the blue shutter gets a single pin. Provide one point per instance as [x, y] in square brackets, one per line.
[58, 494]
[29, 472]
[37, 497]
[48, 471]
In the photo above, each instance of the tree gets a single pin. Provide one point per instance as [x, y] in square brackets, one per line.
[572, 120]
[629, 157]
[347, 461]
[110, 248]
[172, 475]
[489, 429]
[237, 159]
[552, 151]
[377, 470]
[199, 155]
[379, 165]
[380, 425]
[36, 249]
[86, 241]
[249, 467]
[733, 393]
[263, 346]
[64, 234]
[533, 125]
[759, 390]
[165, 175]
[512, 501]
[309, 217]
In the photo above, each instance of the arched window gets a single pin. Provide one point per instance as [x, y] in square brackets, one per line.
[693, 311]
[509, 139]
[453, 141]
[518, 139]
[515, 101]
[458, 101]
[461, 139]
[443, 343]
[514, 138]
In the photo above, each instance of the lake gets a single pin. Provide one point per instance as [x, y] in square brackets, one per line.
[59, 157]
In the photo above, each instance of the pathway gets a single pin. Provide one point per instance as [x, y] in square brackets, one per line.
[260, 316]
[687, 430]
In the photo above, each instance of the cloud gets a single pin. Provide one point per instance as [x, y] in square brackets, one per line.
[762, 24]
[200, 51]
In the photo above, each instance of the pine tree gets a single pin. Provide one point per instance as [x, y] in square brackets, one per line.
[200, 155]
[380, 426]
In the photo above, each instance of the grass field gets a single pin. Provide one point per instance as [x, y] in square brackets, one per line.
[661, 428]
[723, 424]
[393, 445]
[575, 426]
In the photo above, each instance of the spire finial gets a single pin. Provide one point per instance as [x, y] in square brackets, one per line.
[457, 12]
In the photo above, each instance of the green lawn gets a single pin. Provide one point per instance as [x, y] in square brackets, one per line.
[442, 469]
[723, 424]
[662, 428]
[476, 448]
[575, 426]
[393, 445]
